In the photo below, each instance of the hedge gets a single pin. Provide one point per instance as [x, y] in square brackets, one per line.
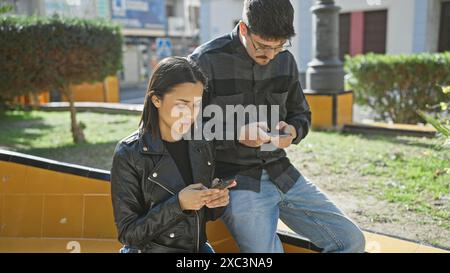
[396, 86]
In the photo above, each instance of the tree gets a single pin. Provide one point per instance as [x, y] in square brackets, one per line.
[48, 53]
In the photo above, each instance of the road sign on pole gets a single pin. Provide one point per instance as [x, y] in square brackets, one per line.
[163, 48]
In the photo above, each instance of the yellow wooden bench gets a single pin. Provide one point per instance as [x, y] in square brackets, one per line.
[50, 206]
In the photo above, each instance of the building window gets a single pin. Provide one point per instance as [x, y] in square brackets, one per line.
[362, 32]
[194, 16]
[344, 35]
[444, 36]
[375, 28]
[170, 10]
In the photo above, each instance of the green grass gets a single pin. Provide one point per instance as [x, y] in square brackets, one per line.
[47, 134]
[413, 172]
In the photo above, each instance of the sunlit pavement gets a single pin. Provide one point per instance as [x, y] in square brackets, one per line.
[133, 94]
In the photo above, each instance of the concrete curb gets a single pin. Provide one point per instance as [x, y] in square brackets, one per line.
[136, 109]
[110, 108]
[390, 129]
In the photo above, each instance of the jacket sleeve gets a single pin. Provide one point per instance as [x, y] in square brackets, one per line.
[298, 111]
[136, 224]
[214, 214]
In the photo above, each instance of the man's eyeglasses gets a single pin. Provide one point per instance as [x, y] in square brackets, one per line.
[264, 49]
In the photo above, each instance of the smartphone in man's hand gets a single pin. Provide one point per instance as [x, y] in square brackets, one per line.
[278, 134]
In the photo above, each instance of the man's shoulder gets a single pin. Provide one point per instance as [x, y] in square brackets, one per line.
[221, 44]
[286, 58]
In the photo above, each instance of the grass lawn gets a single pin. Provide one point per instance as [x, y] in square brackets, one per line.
[393, 185]
[47, 134]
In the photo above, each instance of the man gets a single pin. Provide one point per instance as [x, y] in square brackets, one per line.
[251, 66]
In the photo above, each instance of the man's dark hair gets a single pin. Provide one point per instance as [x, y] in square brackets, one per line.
[270, 19]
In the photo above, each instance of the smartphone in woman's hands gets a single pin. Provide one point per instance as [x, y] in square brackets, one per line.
[222, 184]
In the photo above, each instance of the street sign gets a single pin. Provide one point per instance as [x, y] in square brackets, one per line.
[163, 48]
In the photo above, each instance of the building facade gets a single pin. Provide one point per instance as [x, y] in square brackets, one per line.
[381, 26]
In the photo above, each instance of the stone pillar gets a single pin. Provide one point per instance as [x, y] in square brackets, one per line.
[325, 73]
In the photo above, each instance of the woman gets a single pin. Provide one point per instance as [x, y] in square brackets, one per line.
[159, 181]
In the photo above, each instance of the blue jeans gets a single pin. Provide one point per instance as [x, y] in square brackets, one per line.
[252, 218]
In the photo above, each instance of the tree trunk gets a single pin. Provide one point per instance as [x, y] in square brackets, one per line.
[105, 90]
[77, 131]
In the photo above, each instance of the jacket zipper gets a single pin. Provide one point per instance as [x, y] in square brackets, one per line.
[159, 184]
[198, 231]
[196, 213]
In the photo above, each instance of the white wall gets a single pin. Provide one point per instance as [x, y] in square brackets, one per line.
[217, 17]
[131, 65]
[302, 42]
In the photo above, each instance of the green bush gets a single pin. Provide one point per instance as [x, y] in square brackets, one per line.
[48, 53]
[42, 53]
[396, 86]
[5, 8]
[441, 122]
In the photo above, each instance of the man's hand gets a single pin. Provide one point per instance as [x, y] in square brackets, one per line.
[254, 134]
[220, 199]
[195, 196]
[284, 141]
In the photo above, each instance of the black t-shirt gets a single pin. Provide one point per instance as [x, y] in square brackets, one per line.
[179, 151]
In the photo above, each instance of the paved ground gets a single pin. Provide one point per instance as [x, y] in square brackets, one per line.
[133, 95]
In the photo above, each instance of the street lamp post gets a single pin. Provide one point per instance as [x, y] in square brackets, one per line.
[330, 104]
[325, 72]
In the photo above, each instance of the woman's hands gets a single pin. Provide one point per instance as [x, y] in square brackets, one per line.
[195, 196]
[222, 198]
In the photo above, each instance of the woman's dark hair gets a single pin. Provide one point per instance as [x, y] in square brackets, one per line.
[270, 19]
[167, 74]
